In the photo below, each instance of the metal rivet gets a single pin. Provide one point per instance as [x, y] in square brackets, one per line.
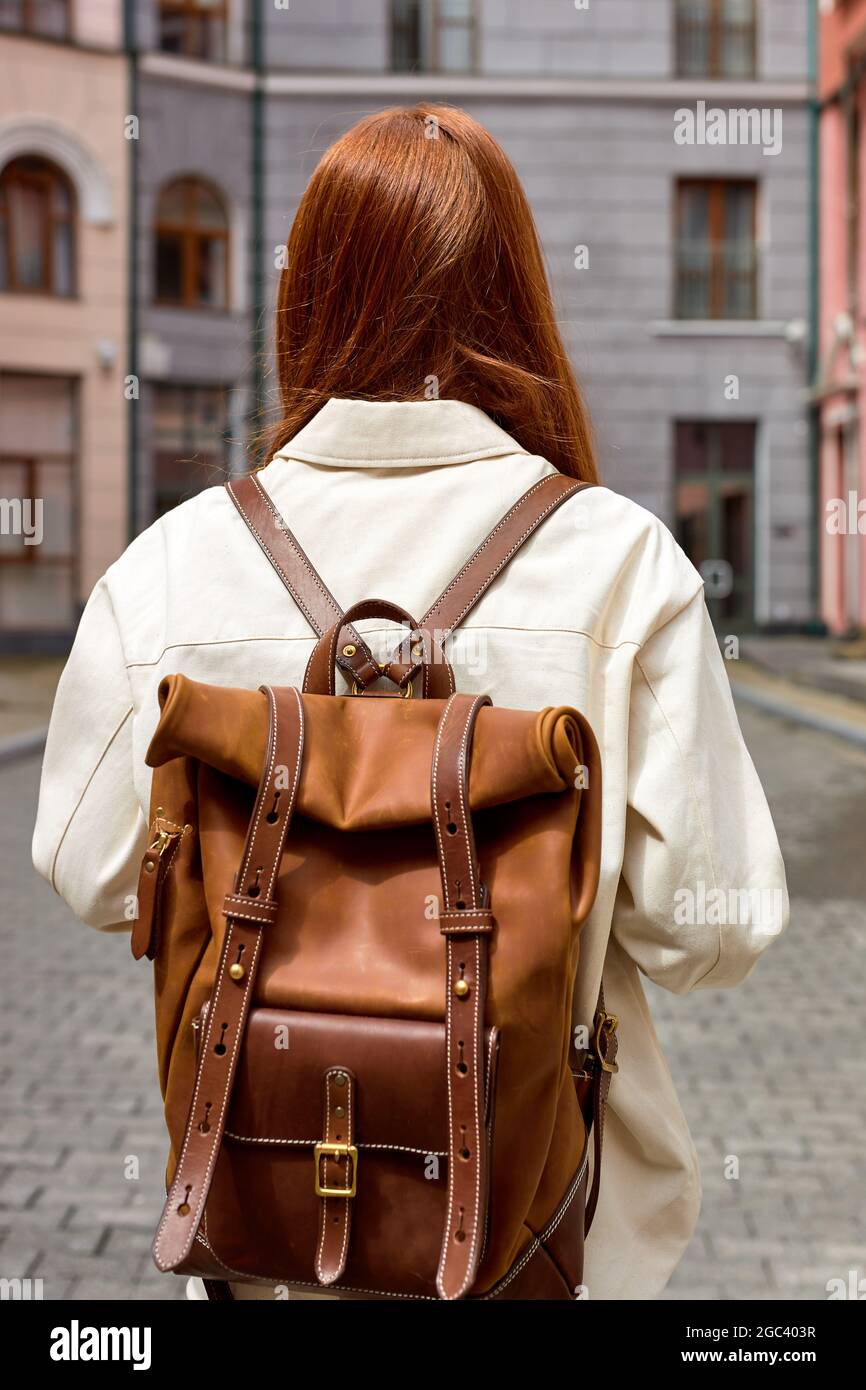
[340, 1078]
[160, 811]
[149, 866]
[349, 650]
[461, 989]
[237, 972]
[339, 1111]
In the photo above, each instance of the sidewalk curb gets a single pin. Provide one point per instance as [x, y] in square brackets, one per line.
[824, 723]
[22, 745]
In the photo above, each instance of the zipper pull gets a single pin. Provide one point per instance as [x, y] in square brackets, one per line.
[150, 878]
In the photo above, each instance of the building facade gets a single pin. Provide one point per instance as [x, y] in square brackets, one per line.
[63, 310]
[679, 260]
[839, 389]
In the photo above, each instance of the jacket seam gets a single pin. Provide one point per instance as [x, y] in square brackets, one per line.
[84, 791]
[699, 592]
[372, 632]
[398, 460]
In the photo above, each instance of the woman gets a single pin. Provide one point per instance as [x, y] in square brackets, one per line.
[424, 387]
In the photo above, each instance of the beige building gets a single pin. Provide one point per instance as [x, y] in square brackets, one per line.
[64, 412]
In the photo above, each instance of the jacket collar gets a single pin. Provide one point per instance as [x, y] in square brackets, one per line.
[398, 434]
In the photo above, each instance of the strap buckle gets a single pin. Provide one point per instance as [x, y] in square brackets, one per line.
[605, 1026]
[348, 1151]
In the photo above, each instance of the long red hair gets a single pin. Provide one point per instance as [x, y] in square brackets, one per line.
[413, 269]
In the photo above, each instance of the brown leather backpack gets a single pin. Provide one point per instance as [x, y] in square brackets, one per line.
[364, 917]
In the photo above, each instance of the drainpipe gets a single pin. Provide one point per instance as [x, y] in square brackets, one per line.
[814, 318]
[257, 191]
[131, 48]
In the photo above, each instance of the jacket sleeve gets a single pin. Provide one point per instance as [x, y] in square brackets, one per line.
[90, 831]
[702, 891]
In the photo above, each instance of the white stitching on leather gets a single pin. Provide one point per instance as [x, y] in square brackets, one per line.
[531, 1250]
[307, 564]
[175, 1187]
[308, 1283]
[543, 482]
[537, 1241]
[307, 1143]
[478, 1062]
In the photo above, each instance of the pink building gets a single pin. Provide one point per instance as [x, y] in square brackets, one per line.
[64, 227]
[841, 385]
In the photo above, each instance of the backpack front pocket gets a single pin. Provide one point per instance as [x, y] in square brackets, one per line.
[334, 1162]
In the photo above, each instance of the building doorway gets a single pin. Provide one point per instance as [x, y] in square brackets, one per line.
[715, 511]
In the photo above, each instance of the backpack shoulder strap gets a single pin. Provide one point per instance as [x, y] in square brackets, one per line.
[299, 575]
[319, 606]
[489, 560]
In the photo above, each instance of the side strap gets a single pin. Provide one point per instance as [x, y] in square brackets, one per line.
[592, 1083]
[249, 910]
[299, 575]
[466, 923]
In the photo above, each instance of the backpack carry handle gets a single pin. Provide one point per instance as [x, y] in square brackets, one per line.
[420, 644]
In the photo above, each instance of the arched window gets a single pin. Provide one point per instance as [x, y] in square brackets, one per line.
[37, 228]
[192, 242]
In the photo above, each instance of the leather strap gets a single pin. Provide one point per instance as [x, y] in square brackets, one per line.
[605, 1044]
[487, 562]
[597, 1064]
[336, 1171]
[302, 580]
[320, 608]
[249, 909]
[466, 924]
[437, 676]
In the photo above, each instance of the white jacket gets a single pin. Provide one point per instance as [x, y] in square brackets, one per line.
[600, 609]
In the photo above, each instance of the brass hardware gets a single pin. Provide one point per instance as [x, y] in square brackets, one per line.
[160, 810]
[408, 690]
[340, 1078]
[237, 971]
[339, 1111]
[606, 1023]
[349, 649]
[163, 840]
[461, 989]
[149, 866]
[348, 1151]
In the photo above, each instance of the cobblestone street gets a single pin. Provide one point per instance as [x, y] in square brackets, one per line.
[773, 1074]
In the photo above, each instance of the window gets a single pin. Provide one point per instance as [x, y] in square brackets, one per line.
[37, 229]
[716, 251]
[194, 28]
[190, 442]
[39, 522]
[433, 35]
[191, 246]
[716, 38]
[715, 464]
[48, 18]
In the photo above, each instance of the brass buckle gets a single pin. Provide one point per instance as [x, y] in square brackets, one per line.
[606, 1023]
[336, 1151]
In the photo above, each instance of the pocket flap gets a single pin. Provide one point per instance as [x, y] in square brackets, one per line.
[398, 1065]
